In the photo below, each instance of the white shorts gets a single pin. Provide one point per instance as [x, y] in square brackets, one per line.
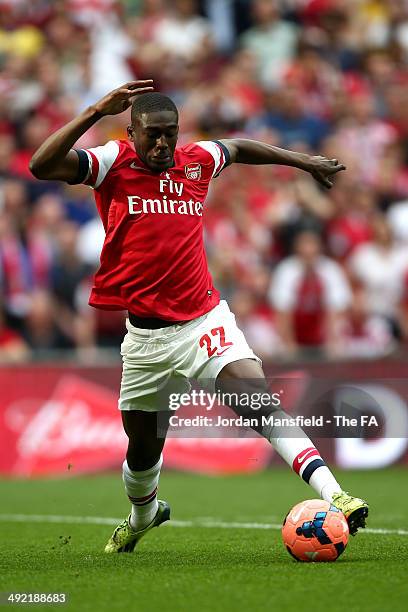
[198, 349]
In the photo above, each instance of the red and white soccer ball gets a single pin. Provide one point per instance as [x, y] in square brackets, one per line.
[314, 530]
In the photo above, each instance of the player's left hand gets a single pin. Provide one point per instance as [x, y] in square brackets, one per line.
[323, 170]
[120, 99]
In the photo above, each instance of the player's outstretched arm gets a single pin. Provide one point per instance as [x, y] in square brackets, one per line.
[244, 151]
[55, 159]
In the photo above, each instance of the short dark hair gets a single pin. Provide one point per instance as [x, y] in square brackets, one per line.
[152, 102]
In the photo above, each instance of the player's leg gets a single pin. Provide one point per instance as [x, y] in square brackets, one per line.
[246, 376]
[141, 473]
[293, 445]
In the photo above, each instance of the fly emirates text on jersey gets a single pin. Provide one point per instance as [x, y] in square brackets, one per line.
[166, 205]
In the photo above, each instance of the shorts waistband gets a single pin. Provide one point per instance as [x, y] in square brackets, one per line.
[151, 322]
[164, 334]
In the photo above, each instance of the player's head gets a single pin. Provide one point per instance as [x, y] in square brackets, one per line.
[154, 130]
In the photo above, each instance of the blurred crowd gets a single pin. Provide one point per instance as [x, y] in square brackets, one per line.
[308, 272]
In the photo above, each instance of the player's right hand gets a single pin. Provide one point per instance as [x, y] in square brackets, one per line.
[120, 99]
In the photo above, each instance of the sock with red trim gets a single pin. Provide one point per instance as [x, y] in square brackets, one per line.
[303, 457]
[141, 488]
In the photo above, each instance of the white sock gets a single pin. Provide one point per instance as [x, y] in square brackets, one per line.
[303, 457]
[323, 481]
[141, 488]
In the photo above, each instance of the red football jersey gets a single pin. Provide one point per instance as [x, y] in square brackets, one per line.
[153, 261]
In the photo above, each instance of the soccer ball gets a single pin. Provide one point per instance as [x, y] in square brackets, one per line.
[314, 530]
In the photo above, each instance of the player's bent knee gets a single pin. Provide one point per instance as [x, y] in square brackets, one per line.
[247, 369]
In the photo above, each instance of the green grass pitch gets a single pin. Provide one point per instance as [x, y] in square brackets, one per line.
[201, 568]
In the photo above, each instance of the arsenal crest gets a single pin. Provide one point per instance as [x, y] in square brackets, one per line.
[193, 171]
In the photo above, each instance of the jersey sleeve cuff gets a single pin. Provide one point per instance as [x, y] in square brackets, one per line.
[83, 167]
[225, 158]
[225, 151]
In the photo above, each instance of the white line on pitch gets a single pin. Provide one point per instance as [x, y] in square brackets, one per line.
[206, 523]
